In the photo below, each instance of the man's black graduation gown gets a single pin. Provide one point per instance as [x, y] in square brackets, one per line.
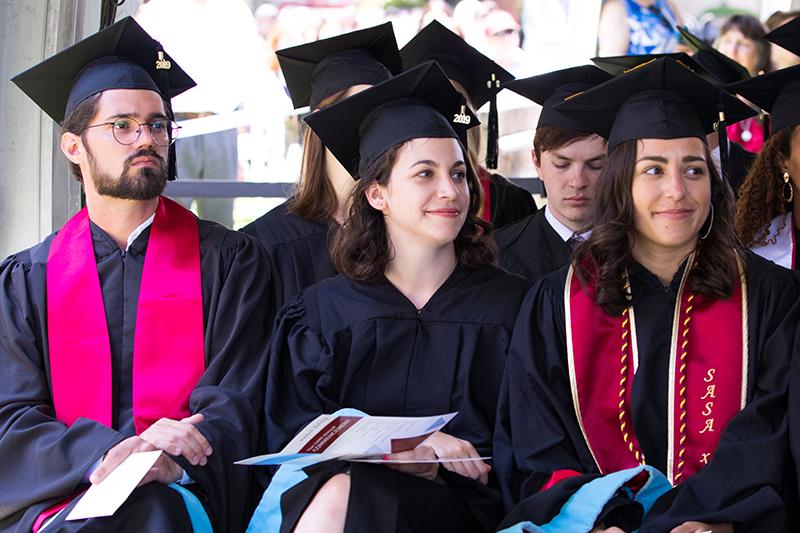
[508, 202]
[364, 345]
[531, 247]
[42, 461]
[538, 433]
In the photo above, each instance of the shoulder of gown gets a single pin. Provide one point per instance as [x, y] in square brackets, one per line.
[280, 227]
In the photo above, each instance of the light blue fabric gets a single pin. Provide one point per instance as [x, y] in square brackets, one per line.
[268, 516]
[195, 509]
[580, 512]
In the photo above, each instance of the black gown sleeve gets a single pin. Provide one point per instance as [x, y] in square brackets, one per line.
[41, 459]
[238, 287]
[300, 373]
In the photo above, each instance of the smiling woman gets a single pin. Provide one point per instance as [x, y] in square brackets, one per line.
[397, 333]
[619, 369]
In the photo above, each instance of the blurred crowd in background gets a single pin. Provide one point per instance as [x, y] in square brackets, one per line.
[238, 123]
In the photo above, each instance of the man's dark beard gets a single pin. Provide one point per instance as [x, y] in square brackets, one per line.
[143, 184]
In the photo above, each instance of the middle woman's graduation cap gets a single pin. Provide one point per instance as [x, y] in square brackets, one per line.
[480, 77]
[420, 103]
[316, 70]
[662, 99]
[787, 36]
[552, 88]
[777, 93]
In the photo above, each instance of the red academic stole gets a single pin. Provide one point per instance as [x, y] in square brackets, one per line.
[168, 352]
[707, 380]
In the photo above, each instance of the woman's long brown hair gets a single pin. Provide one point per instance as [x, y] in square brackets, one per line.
[603, 258]
[314, 198]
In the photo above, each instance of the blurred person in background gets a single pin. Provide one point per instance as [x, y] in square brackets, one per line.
[632, 27]
[741, 38]
[503, 41]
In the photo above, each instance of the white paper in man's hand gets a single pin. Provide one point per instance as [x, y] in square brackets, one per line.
[104, 498]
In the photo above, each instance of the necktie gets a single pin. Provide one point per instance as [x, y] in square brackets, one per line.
[574, 241]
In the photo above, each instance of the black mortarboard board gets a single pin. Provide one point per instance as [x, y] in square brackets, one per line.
[549, 89]
[778, 93]
[122, 56]
[316, 70]
[480, 77]
[420, 103]
[711, 66]
[662, 99]
[724, 69]
[787, 36]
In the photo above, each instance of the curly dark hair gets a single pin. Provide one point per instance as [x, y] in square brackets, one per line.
[761, 194]
[603, 258]
[360, 248]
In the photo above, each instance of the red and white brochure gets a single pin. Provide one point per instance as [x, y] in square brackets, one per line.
[356, 438]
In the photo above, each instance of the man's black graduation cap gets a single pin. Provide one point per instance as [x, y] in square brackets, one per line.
[552, 88]
[419, 103]
[316, 70]
[787, 36]
[122, 56]
[778, 93]
[662, 99]
[480, 77]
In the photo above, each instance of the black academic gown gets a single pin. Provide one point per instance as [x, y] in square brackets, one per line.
[531, 247]
[538, 433]
[364, 345]
[298, 248]
[43, 461]
[508, 202]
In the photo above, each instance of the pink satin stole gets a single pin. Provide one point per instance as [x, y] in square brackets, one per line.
[168, 357]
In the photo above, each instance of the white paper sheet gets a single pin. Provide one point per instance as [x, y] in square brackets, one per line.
[104, 498]
[354, 437]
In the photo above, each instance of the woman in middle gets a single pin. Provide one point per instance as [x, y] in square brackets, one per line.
[639, 356]
[417, 323]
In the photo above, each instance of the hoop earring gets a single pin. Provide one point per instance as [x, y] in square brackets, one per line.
[787, 197]
[710, 224]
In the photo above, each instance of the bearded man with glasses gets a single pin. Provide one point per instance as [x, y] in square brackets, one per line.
[135, 327]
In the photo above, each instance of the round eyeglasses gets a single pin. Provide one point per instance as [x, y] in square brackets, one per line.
[128, 130]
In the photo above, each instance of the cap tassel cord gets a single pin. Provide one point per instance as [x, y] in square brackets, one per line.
[162, 67]
[724, 146]
[492, 139]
